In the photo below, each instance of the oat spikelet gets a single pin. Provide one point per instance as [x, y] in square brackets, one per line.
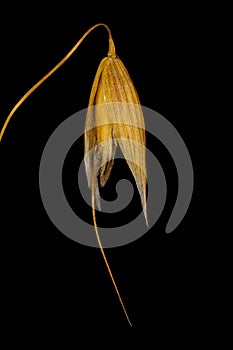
[114, 118]
[105, 129]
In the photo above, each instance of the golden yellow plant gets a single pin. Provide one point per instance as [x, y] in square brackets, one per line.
[120, 122]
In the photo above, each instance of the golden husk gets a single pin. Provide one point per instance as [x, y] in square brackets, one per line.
[114, 117]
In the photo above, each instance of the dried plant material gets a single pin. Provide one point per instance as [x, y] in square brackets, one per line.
[114, 118]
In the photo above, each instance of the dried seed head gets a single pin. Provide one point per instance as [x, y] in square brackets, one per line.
[114, 117]
[120, 121]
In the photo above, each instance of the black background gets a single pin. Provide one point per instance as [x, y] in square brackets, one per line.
[50, 283]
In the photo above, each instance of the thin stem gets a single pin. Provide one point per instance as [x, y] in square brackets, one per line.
[104, 256]
[111, 52]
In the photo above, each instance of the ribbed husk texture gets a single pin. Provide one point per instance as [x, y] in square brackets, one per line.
[114, 118]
